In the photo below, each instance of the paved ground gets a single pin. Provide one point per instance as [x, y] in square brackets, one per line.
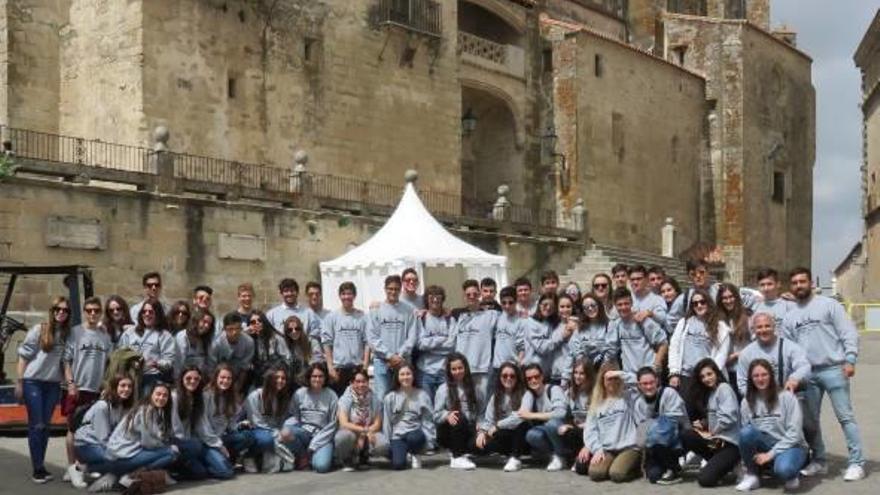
[488, 479]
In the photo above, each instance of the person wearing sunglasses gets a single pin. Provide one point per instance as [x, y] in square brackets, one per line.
[85, 357]
[702, 334]
[39, 380]
[152, 283]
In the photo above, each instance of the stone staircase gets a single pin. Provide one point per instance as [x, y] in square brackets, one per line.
[600, 258]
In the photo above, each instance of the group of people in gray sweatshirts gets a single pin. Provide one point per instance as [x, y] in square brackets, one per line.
[634, 377]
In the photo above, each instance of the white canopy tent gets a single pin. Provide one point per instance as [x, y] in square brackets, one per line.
[412, 237]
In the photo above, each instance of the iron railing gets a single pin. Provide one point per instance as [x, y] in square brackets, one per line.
[420, 16]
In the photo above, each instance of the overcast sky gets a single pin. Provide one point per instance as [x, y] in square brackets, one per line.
[829, 31]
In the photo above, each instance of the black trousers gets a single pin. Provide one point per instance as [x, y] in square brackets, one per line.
[459, 439]
[508, 442]
[721, 457]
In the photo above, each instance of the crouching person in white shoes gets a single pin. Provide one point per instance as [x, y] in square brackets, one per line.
[501, 429]
[772, 430]
[456, 406]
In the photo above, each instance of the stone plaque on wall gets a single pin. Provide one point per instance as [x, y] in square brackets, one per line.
[242, 247]
[76, 233]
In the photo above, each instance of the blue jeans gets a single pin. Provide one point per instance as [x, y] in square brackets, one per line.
[190, 464]
[40, 399]
[544, 439]
[411, 442]
[381, 378]
[786, 464]
[430, 383]
[832, 381]
[322, 459]
[95, 457]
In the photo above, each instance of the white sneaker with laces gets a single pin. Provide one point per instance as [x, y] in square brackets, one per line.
[76, 477]
[748, 483]
[250, 465]
[814, 468]
[854, 472]
[513, 464]
[416, 463]
[556, 463]
[792, 484]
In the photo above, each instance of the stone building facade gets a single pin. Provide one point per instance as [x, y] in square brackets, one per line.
[639, 110]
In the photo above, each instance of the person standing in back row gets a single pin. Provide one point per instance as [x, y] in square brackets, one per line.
[820, 325]
[392, 334]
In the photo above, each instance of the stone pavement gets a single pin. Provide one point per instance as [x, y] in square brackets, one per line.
[488, 479]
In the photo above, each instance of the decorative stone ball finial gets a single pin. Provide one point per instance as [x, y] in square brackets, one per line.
[301, 157]
[411, 176]
[161, 134]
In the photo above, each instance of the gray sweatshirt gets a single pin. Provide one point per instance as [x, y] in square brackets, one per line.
[671, 406]
[193, 428]
[784, 423]
[403, 413]
[436, 340]
[142, 432]
[542, 341]
[653, 303]
[190, 353]
[634, 342]
[823, 329]
[98, 423]
[507, 421]
[794, 360]
[87, 351]
[552, 400]
[42, 366]
[474, 333]
[722, 410]
[509, 340]
[612, 426]
[153, 345]
[345, 334]
[315, 412]
[442, 404]
[778, 307]
[239, 355]
[392, 329]
[253, 408]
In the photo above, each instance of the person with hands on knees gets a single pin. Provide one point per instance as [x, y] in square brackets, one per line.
[151, 338]
[715, 433]
[144, 439]
[359, 413]
[501, 428]
[610, 438]
[266, 409]
[39, 380]
[791, 368]
[545, 407]
[661, 415]
[392, 332]
[772, 430]
[456, 407]
[311, 427]
[583, 379]
[407, 419]
[436, 329]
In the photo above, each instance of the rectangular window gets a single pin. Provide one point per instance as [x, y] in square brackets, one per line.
[779, 187]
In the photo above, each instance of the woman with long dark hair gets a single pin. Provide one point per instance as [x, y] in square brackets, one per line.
[116, 318]
[714, 409]
[772, 429]
[143, 440]
[583, 378]
[359, 412]
[701, 334]
[407, 419]
[731, 310]
[267, 408]
[310, 429]
[456, 407]
[39, 380]
[151, 338]
[194, 344]
[501, 429]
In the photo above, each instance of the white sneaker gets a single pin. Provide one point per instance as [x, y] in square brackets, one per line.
[556, 463]
[513, 465]
[415, 463]
[814, 468]
[76, 477]
[250, 465]
[748, 483]
[854, 472]
[792, 484]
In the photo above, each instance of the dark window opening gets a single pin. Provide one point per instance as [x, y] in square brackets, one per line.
[779, 187]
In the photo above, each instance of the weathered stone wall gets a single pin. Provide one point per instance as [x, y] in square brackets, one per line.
[123, 234]
[631, 163]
